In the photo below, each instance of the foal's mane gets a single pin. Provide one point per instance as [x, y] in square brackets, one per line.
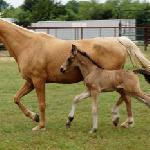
[86, 55]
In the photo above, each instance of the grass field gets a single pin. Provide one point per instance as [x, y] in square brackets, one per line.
[15, 128]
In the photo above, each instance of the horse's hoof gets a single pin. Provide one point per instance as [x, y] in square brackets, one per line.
[131, 124]
[37, 128]
[124, 125]
[68, 125]
[116, 121]
[127, 124]
[36, 118]
[93, 130]
[70, 119]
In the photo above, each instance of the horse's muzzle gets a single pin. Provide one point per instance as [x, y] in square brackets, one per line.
[62, 70]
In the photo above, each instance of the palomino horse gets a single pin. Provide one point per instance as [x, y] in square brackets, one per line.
[40, 56]
[99, 80]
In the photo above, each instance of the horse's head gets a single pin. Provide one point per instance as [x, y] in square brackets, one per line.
[70, 60]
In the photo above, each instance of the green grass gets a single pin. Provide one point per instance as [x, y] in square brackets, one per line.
[15, 128]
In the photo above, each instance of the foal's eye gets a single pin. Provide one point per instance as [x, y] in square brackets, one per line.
[69, 60]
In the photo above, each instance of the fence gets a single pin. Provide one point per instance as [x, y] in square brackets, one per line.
[73, 33]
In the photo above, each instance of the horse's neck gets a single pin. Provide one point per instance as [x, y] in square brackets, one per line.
[85, 65]
[13, 38]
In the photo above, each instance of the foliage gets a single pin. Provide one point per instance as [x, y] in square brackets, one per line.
[3, 5]
[36, 10]
[72, 8]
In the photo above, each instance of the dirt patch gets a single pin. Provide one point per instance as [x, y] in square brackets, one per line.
[6, 59]
[4, 53]
[4, 56]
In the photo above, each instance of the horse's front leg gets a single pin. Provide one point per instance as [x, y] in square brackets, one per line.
[39, 85]
[25, 89]
[76, 100]
[94, 95]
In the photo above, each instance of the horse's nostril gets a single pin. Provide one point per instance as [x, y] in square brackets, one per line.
[62, 70]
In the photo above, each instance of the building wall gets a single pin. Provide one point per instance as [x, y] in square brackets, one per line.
[88, 32]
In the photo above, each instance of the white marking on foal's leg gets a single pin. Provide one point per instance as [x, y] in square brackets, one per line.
[94, 95]
[95, 123]
[37, 128]
[76, 100]
[115, 115]
[128, 123]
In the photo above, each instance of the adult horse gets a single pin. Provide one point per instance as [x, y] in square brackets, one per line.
[40, 56]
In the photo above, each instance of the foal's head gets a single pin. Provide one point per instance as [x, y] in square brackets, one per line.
[71, 61]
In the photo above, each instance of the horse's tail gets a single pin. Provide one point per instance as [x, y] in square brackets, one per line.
[135, 53]
[145, 73]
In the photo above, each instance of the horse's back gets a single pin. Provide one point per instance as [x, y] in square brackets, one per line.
[107, 52]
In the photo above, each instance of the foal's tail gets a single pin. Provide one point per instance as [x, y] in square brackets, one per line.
[135, 53]
[145, 73]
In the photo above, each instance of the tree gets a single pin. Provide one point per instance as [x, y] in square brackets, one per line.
[11, 12]
[3, 5]
[72, 8]
[36, 10]
[41, 10]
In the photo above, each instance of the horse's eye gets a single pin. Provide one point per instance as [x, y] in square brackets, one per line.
[69, 61]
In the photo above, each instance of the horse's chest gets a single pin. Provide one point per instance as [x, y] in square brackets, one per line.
[29, 71]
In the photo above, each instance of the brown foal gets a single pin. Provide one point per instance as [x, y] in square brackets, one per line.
[99, 80]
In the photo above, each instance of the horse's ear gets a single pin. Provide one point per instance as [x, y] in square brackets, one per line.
[74, 49]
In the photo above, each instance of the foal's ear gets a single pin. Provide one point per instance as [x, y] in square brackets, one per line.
[74, 49]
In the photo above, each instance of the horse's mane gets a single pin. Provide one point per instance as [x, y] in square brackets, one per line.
[86, 55]
[27, 30]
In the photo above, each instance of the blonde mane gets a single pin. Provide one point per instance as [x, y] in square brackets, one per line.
[27, 30]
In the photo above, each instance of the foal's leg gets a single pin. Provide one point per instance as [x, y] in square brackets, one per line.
[76, 100]
[115, 111]
[39, 85]
[25, 89]
[129, 121]
[94, 95]
[142, 97]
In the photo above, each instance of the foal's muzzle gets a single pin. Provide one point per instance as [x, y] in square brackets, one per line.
[62, 69]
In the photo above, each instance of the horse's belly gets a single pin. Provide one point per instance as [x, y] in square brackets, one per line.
[72, 76]
[108, 90]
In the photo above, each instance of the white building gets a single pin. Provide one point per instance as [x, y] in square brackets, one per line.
[9, 19]
[87, 29]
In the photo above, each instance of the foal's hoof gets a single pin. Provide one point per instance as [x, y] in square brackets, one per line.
[38, 128]
[116, 121]
[93, 130]
[36, 118]
[127, 124]
[68, 124]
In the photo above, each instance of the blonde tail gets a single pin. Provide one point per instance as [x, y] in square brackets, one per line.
[135, 53]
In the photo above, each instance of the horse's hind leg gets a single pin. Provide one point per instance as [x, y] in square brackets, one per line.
[25, 89]
[76, 100]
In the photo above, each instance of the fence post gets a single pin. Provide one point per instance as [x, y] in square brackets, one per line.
[81, 32]
[120, 28]
[145, 39]
[114, 32]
